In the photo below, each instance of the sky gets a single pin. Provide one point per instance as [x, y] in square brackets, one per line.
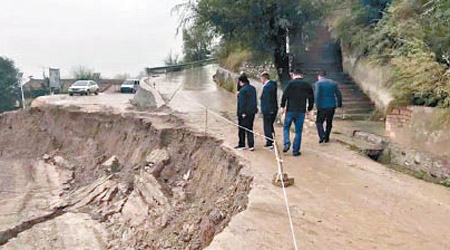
[109, 36]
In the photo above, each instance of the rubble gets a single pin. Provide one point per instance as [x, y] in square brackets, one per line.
[112, 165]
[113, 173]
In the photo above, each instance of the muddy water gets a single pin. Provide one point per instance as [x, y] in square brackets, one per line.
[186, 89]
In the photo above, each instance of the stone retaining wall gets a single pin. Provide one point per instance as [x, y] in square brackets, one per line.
[426, 128]
[408, 157]
[372, 79]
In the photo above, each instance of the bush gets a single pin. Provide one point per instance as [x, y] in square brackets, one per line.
[9, 88]
[412, 37]
[235, 59]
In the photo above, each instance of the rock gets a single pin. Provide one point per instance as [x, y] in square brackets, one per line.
[146, 197]
[46, 157]
[187, 175]
[417, 159]
[158, 156]
[207, 230]
[112, 165]
[61, 162]
[217, 216]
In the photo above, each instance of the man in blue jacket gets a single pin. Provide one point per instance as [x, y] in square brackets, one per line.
[328, 97]
[247, 108]
[269, 107]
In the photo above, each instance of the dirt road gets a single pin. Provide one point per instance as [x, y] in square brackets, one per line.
[341, 200]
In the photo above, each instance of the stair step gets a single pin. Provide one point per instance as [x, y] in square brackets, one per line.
[357, 104]
[361, 110]
[356, 107]
[354, 96]
[352, 117]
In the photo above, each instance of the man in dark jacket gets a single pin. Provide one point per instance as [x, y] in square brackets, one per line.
[297, 93]
[238, 88]
[247, 108]
[328, 96]
[269, 107]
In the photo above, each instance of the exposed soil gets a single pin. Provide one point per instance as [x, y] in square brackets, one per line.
[131, 182]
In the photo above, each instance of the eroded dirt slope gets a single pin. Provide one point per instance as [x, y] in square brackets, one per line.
[76, 180]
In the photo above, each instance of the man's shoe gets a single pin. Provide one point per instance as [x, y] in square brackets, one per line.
[268, 146]
[252, 149]
[296, 153]
[327, 140]
[321, 140]
[285, 149]
[239, 147]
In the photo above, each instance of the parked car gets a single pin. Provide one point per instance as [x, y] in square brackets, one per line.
[84, 87]
[129, 86]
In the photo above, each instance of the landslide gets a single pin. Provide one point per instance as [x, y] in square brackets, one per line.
[150, 182]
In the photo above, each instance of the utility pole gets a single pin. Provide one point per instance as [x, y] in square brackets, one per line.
[20, 81]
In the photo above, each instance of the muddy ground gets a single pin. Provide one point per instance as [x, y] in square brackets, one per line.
[76, 180]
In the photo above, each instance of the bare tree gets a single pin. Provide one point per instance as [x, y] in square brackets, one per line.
[122, 76]
[171, 59]
[83, 73]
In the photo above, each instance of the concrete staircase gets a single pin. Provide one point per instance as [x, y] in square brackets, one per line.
[324, 54]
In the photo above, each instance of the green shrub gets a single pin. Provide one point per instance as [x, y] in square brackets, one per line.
[235, 59]
[413, 37]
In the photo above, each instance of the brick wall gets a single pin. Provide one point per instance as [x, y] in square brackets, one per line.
[398, 118]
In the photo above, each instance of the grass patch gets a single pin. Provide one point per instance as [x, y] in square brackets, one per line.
[446, 182]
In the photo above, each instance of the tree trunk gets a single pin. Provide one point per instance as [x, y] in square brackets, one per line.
[281, 59]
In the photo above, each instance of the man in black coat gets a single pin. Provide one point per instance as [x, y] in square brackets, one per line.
[269, 107]
[247, 108]
[298, 97]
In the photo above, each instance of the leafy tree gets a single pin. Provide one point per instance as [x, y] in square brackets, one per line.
[9, 88]
[197, 43]
[436, 21]
[262, 25]
[83, 73]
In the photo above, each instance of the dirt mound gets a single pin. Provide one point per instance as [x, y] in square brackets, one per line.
[145, 182]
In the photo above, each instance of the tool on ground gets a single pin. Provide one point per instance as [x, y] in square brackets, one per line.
[280, 178]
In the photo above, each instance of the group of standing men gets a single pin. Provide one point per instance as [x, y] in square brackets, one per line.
[298, 98]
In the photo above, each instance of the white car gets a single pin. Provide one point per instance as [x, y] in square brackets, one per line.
[84, 87]
[129, 86]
